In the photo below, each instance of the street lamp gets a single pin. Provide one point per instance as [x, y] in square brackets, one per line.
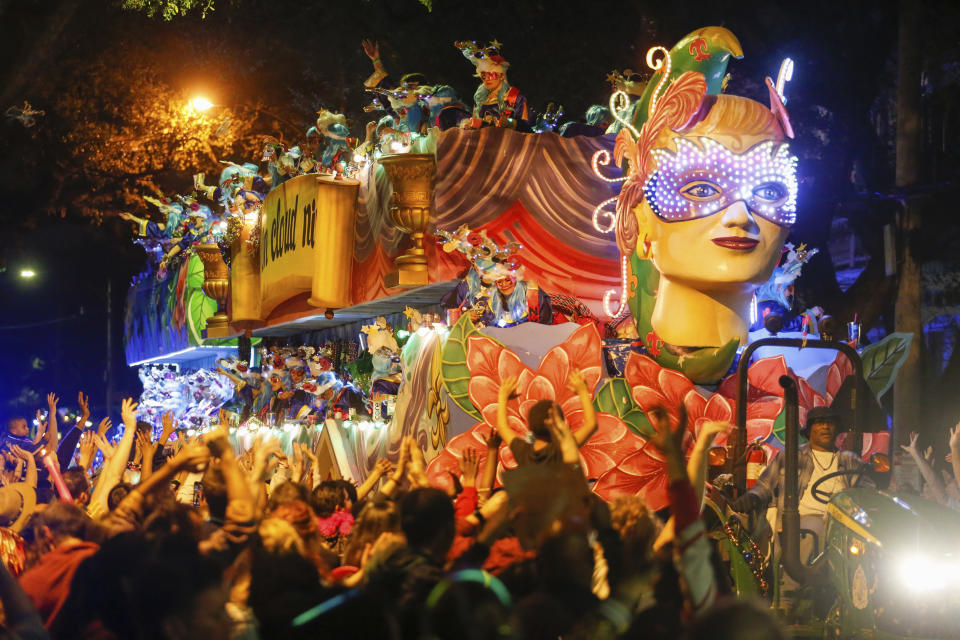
[27, 273]
[200, 103]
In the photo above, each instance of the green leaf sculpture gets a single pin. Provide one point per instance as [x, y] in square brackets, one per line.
[453, 365]
[614, 397]
[882, 360]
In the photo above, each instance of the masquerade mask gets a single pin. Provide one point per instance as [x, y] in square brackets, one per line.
[698, 182]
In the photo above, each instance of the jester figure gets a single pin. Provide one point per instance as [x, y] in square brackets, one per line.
[446, 109]
[338, 151]
[493, 291]
[495, 102]
[405, 99]
[240, 189]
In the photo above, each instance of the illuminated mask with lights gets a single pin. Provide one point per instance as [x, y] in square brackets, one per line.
[700, 180]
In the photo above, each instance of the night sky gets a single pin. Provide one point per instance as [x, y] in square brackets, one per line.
[76, 60]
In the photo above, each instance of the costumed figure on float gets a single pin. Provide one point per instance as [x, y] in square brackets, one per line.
[385, 356]
[493, 291]
[405, 99]
[495, 102]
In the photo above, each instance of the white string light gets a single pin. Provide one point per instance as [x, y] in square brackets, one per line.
[623, 292]
[600, 210]
[663, 63]
[602, 157]
[619, 102]
[783, 77]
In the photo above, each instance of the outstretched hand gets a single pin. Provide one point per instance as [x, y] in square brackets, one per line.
[469, 464]
[103, 427]
[107, 448]
[955, 438]
[192, 457]
[88, 449]
[83, 401]
[576, 382]
[128, 411]
[508, 388]
[146, 445]
[912, 447]
[371, 48]
[666, 439]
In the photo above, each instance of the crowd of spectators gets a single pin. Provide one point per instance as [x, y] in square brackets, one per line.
[205, 542]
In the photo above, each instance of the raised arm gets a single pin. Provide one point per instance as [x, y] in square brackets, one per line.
[560, 431]
[31, 463]
[489, 476]
[53, 437]
[167, 428]
[41, 429]
[83, 401]
[147, 449]
[390, 486]
[691, 547]
[929, 475]
[372, 49]
[697, 472]
[579, 386]
[380, 469]
[112, 471]
[507, 389]
[700, 456]
[239, 501]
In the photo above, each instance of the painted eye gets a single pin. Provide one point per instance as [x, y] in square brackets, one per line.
[700, 190]
[770, 191]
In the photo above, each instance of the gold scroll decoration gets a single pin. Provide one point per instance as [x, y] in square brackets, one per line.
[306, 242]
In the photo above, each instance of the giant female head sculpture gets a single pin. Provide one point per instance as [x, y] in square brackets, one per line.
[710, 199]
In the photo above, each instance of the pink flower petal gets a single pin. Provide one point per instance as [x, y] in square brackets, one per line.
[765, 374]
[640, 474]
[483, 355]
[641, 371]
[674, 386]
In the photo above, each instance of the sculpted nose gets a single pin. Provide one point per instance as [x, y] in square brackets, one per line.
[738, 216]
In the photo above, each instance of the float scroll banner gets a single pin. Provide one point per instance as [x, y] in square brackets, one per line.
[287, 242]
[306, 242]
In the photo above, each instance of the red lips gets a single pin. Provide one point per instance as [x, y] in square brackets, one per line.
[736, 243]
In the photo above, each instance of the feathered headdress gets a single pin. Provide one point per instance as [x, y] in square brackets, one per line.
[486, 58]
[489, 258]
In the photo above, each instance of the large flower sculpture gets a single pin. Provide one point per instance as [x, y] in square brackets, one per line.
[652, 386]
[490, 363]
[623, 462]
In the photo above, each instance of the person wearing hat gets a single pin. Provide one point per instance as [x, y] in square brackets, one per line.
[405, 98]
[816, 459]
[17, 502]
[496, 103]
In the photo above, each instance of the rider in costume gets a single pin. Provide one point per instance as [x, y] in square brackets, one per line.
[496, 103]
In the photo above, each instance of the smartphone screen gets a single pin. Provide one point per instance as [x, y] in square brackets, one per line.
[197, 493]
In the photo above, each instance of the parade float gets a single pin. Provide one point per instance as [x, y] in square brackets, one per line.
[352, 293]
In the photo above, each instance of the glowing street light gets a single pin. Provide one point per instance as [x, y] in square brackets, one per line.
[27, 273]
[200, 103]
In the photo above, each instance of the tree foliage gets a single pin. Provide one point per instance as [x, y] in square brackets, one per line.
[168, 9]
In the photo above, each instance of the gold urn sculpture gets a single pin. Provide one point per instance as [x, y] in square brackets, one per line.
[411, 211]
[216, 285]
